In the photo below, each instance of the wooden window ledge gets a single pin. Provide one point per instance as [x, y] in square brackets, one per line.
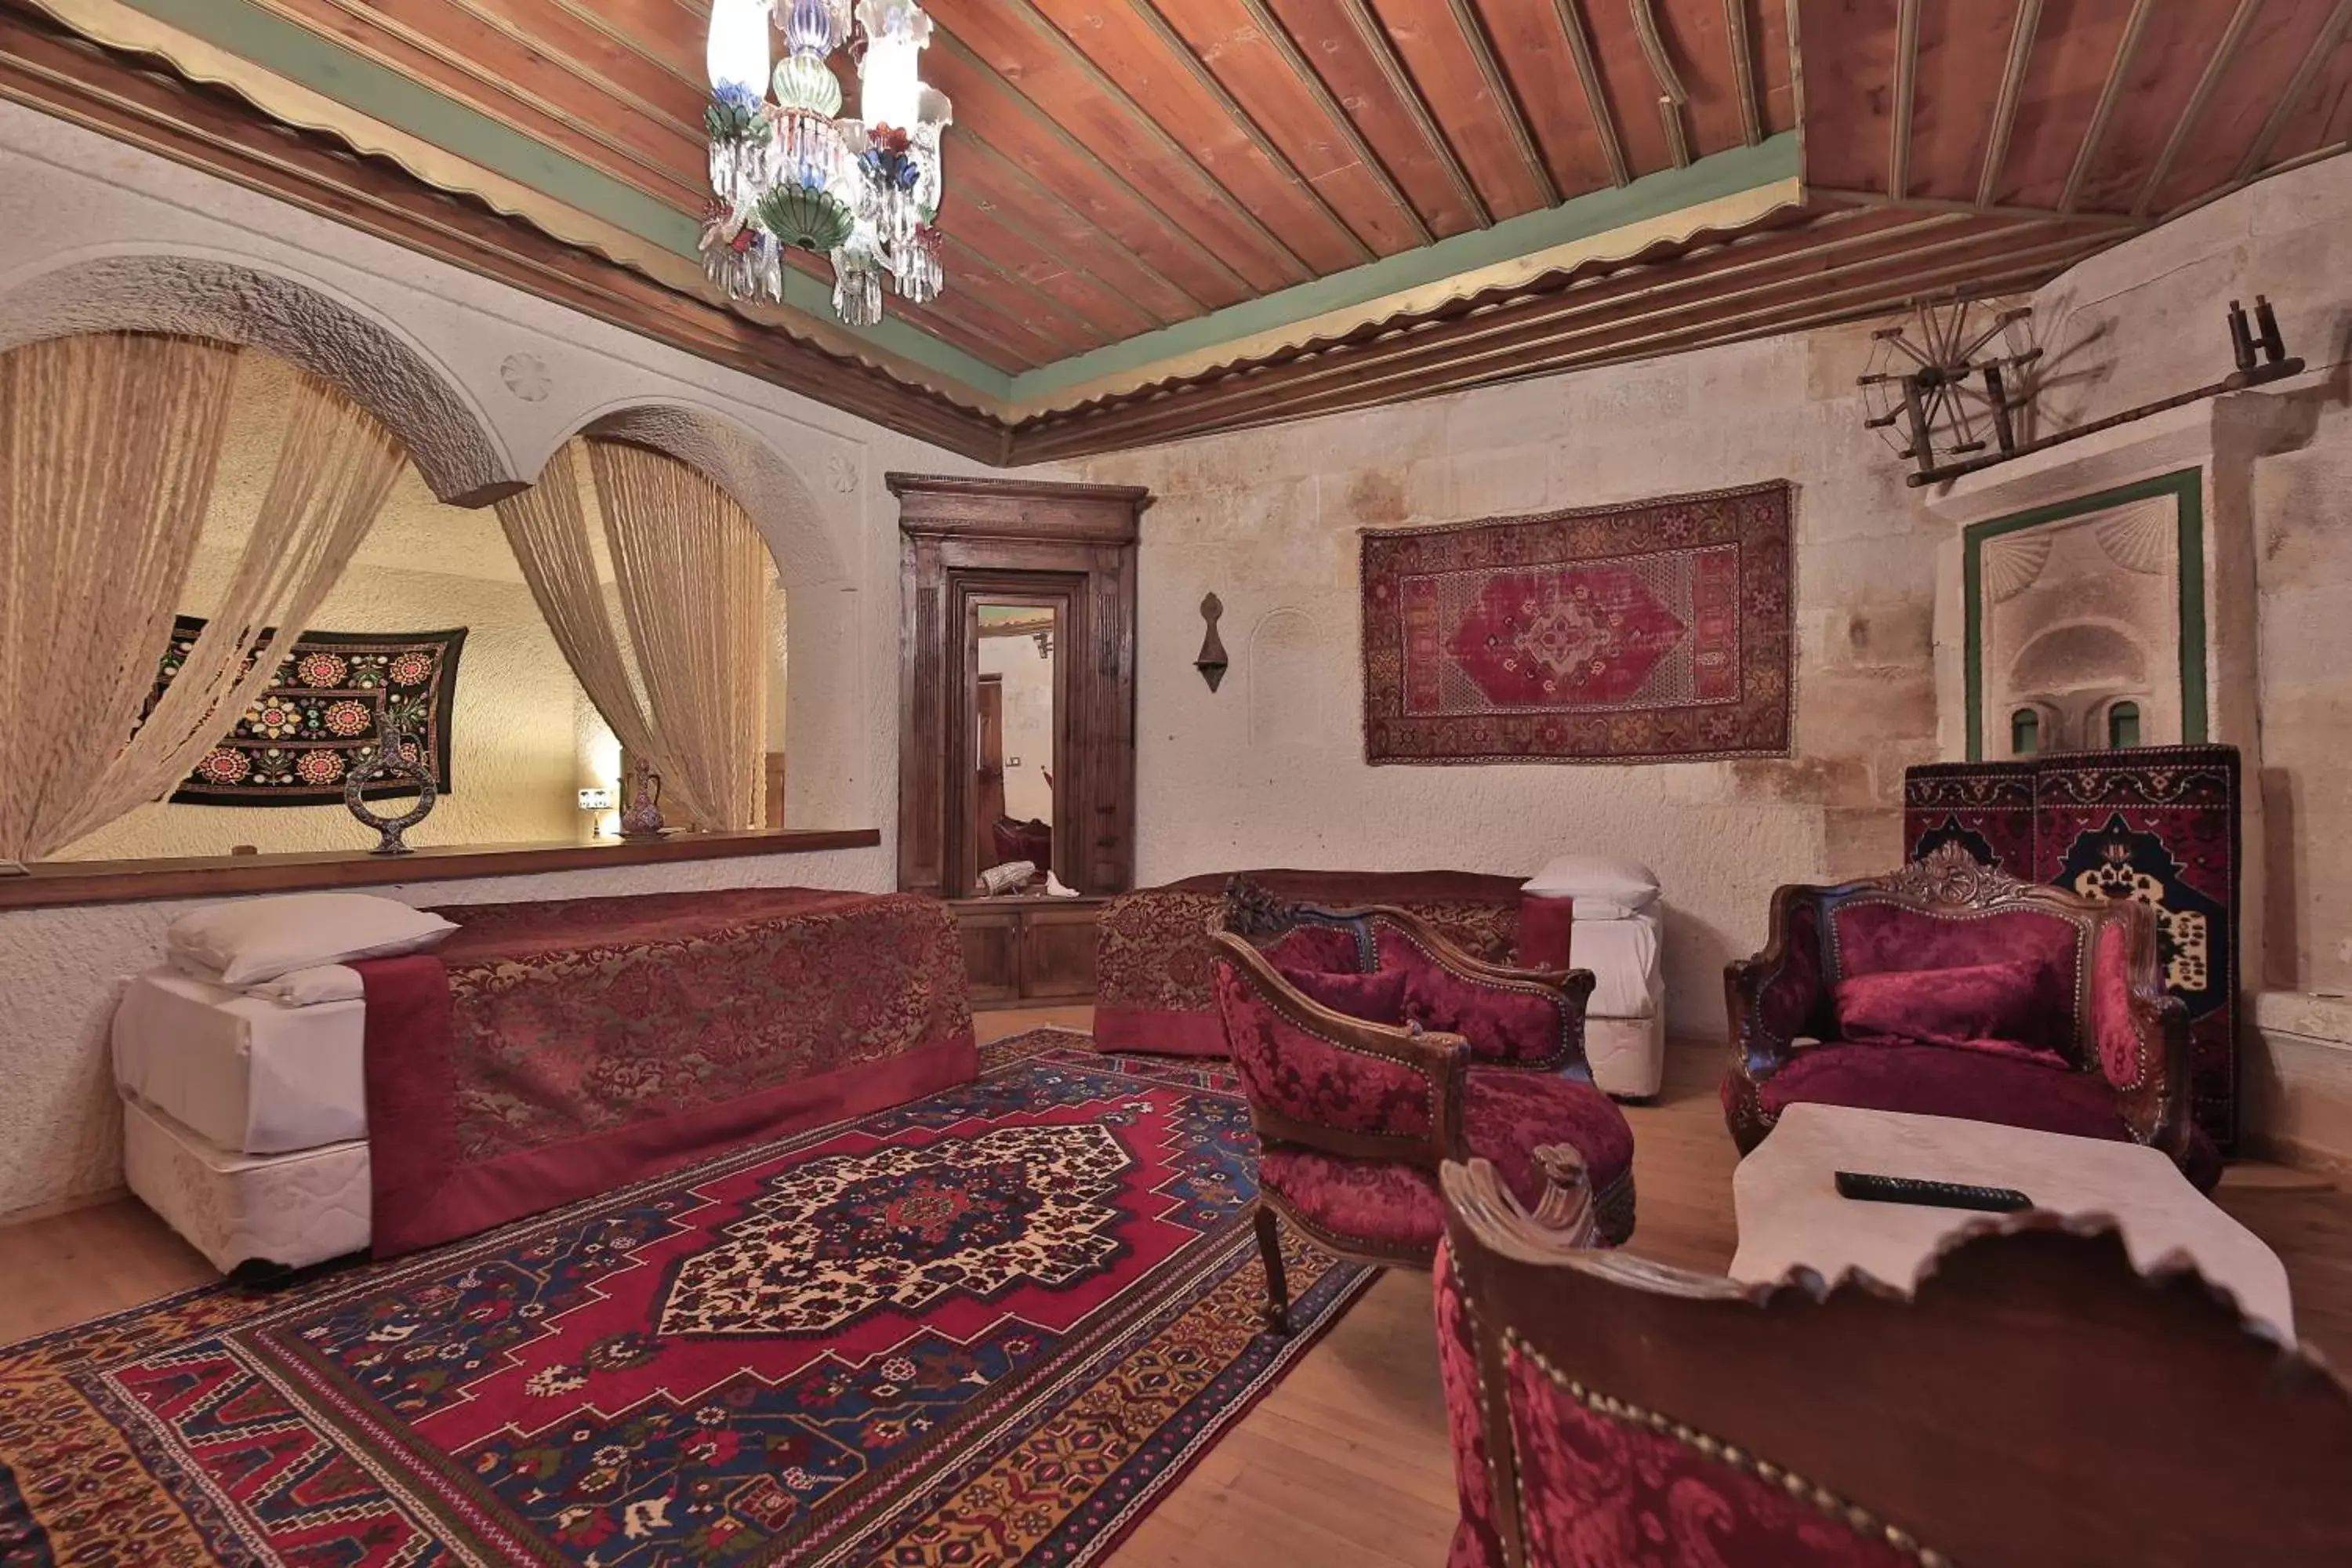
[53, 882]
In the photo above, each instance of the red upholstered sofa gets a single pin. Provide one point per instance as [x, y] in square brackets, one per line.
[1950, 989]
[1153, 990]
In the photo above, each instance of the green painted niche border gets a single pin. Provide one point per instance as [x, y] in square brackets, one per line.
[2187, 487]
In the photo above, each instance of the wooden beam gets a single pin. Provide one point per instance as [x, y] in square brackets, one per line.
[1078, 151]
[1609, 294]
[1377, 43]
[1472, 29]
[2013, 88]
[966, 140]
[2110, 93]
[1743, 69]
[1944, 205]
[1672, 94]
[1271, 29]
[1059, 343]
[1669, 116]
[1710, 329]
[1149, 13]
[2224, 53]
[1907, 86]
[2298, 87]
[1102, 80]
[1588, 76]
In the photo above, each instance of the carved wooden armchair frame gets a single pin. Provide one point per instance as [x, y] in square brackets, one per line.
[1782, 993]
[1949, 1425]
[1262, 918]
[1441, 1060]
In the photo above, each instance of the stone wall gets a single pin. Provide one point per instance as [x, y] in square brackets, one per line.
[2145, 320]
[1270, 769]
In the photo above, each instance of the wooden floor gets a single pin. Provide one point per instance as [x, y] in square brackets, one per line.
[1344, 1464]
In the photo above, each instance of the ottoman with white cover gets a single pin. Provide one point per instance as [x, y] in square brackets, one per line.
[1616, 933]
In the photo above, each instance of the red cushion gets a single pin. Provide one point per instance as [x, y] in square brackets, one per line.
[1873, 938]
[1935, 1080]
[1376, 998]
[1997, 1006]
[1506, 1114]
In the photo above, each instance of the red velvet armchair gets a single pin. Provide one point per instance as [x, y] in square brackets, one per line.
[1605, 1409]
[1950, 989]
[1372, 1050]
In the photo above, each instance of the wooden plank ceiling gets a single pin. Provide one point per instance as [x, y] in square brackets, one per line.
[1168, 217]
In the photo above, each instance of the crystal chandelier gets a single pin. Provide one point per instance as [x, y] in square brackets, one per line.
[792, 173]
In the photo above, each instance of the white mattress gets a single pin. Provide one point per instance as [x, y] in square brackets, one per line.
[1629, 977]
[1628, 1056]
[244, 1074]
[287, 1209]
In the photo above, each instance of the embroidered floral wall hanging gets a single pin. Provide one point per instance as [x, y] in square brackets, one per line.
[319, 720]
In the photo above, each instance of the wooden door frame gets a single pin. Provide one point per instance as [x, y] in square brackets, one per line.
[968, 538]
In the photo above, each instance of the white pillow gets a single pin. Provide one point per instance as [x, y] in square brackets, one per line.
[309, 987]
[1581, 876]
[253, 940]
[1590, 907]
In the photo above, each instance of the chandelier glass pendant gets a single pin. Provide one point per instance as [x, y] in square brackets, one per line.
[792, 172]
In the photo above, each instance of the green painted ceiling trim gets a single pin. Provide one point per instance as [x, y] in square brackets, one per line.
[351, 79]
[1710, 179]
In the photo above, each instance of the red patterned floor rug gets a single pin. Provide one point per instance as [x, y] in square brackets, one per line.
[990, 1327]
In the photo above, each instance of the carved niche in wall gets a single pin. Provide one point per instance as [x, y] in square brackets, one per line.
[2085, 623]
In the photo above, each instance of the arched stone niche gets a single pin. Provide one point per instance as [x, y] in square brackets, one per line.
[366, 359]
[823, 772]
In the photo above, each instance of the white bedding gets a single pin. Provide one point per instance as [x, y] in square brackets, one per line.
[1625, 1021]
[290, 1210]
[1629, 980]
[247, 1075]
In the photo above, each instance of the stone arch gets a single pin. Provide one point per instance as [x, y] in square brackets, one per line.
[824, 706]
[769, 486]
[1286, 704]
[367, 360]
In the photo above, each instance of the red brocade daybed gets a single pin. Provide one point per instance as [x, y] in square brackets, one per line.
[1153, 986]
[551, 1051]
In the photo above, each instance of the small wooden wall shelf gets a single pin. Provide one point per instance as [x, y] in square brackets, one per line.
[56, 882]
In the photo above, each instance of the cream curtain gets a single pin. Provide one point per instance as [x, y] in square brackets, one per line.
[109, 445]
[682, 675]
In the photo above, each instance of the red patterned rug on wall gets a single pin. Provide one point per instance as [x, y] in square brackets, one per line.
[990, 1327]
[1655, 631]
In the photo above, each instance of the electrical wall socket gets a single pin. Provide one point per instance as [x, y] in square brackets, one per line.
[595, 800]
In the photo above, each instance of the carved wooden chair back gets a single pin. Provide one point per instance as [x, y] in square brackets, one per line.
[1939, 913]
[2013, 1413]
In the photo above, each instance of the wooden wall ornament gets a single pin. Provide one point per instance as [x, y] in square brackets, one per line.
[1069, 547]
[1212, 661]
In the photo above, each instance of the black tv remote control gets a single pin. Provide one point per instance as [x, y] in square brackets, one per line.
[1866, 1187]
